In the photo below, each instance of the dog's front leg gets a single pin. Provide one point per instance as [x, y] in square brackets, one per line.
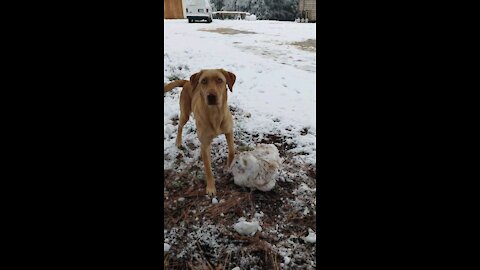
[231, 148]
[210, 181]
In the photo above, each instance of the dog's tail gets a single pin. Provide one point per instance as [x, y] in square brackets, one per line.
[173, 84]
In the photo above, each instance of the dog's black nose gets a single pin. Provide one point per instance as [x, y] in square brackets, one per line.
[212, 99]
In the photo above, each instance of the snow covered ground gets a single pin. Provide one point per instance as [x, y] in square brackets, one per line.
[273, 101]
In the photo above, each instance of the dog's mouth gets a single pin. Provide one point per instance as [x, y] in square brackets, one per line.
[212, 100]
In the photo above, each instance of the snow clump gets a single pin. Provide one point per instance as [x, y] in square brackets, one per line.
[246, 228]
[257, 169]
[311, 238]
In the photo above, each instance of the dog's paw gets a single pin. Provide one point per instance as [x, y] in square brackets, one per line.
[228, 162]
[211, 191]
[180, 146]
[227, 169]
[178, 142]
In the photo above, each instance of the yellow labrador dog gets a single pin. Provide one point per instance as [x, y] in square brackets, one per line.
[206, 96]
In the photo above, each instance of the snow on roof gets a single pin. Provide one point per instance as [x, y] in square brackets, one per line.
[231, 12]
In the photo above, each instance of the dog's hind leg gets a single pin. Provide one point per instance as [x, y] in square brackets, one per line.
[181, 123]
[184, 116]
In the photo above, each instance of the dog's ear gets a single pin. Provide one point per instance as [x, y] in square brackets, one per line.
[231, 78]
[194, 79]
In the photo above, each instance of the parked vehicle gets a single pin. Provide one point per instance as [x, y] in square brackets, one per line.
[198, 10]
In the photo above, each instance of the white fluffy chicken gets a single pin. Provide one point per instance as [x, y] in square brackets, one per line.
[257, 169]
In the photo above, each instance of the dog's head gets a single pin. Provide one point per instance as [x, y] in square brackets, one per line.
[212, 84]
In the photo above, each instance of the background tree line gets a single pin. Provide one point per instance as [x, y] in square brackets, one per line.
[282, 10]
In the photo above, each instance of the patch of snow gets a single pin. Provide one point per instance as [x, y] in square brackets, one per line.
[259, 215]
[246, 228]
[311, 238]
[166, 247]
[206, 235]
[236, 268]
[214, 201]
[304, 189]
[168, 130]
[252, 17]
[286, 259]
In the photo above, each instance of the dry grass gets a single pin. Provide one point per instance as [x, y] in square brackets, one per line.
[307, 45]
[235, 199]
[227, 31]
[166, 261]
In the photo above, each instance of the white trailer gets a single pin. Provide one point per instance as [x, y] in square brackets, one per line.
[197, 10]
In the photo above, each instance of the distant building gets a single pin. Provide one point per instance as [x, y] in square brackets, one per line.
[174, 9]
[308, 9]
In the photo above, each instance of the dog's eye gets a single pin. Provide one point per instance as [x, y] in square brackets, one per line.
[219, 80]
[204, 81]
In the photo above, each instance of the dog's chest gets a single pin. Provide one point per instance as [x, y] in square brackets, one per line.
[212, 124]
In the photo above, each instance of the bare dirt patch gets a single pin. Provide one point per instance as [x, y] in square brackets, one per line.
[307, 45]
[227, 31]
